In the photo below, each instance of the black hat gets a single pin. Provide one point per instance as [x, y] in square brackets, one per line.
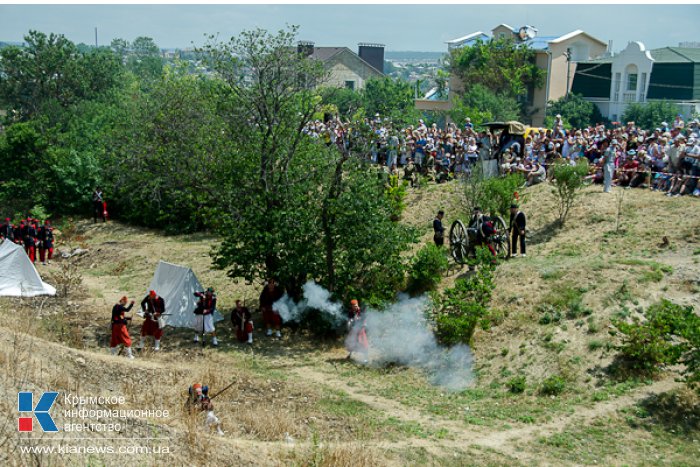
[514, 205]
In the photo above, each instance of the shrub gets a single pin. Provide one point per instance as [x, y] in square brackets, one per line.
[553, 386]
[568, 181]
[464, 306]
[516, 384]
[669, 335]
[427, 268]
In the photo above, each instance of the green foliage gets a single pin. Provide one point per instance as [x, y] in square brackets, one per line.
[506, 68]
[650, 114]
[464, 306]
[553, 386]
[50, 74]
[670, 335]
[568, 182]
[346, 101]
[493, 195]
[576, 111]
[396, 193]
[485, 104]
[390, 98]
[427, 268]
[516, 384]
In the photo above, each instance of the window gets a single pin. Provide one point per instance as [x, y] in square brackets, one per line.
[350, 85]
[632, 82]
[501, 35]
[616, 95]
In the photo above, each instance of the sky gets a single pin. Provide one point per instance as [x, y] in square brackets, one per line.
[400, 27]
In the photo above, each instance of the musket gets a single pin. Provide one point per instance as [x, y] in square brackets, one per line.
[224, 389]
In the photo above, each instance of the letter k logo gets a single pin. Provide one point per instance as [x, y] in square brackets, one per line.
[25, 403]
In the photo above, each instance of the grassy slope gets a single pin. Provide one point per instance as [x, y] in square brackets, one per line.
[340, 414]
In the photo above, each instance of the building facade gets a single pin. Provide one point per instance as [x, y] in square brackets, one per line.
[638, 75]
[346, 68]
[556, 55]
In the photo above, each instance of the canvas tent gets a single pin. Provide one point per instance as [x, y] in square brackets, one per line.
[177, 285]
[18, 276]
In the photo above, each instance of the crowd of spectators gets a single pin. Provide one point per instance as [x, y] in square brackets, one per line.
[666, 158]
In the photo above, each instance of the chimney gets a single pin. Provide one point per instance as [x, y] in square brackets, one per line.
[372, 54]
[305, 48]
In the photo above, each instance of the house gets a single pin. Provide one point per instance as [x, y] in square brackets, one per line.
[347, 69]
[558, 55]
[640, 75]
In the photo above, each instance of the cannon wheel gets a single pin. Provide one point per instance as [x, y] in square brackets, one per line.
[459, 242]
[501, 238]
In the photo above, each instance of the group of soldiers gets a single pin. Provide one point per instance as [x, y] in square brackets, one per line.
[32, 235]
[153, 308]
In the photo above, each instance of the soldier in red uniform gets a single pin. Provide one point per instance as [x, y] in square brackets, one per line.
[269, 295]
[356, 340]
[153, 307]
[243, 323]
[120, 333]
[204, 316]
[18, 232]
[46, 239]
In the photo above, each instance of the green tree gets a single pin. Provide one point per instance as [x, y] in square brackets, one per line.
[568, 182]
[346, 101]
[500, 107]
[390, 98]
[144, 58]
[578, 112]
[503, 66]
[650, 114]
[50, 73]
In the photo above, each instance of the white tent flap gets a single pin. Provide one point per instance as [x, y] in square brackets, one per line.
[18, 276]
[177, 285]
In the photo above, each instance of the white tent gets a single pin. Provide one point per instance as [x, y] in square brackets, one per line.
[177, 285]
[18, 276]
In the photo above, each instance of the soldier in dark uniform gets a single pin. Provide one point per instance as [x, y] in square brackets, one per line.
[30, 240]
[46, 239]
[6, 231]
[439, 229]
[518, 222]
[98, 205]
[18, 233]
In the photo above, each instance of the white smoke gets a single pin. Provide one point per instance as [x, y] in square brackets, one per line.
[398, 334]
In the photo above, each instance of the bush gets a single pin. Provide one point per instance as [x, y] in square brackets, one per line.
[516, 385]
[553, 386]
[668, 336]
[576, 111]
[568, 181]
[427, 268]
[651, 114]
[492, 195]
[464, 306]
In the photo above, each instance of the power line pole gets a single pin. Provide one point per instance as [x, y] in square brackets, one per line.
[568, 69]
[96, 38]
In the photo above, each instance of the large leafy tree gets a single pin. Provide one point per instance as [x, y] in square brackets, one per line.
[390, 98]
[504, 67]
[50, 73]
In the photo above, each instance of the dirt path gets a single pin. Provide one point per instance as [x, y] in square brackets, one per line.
[461, 436]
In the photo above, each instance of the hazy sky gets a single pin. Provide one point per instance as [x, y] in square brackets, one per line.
[400, 27]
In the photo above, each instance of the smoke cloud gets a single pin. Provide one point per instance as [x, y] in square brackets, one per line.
[398, 334]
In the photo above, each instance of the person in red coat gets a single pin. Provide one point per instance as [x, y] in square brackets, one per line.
[269, 295]
[153, 307]
[356, 340]
[243, 323]
[120, 333]
[30, 240]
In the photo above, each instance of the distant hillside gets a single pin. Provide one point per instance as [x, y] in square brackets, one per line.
[8, 43]
[412, 55]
